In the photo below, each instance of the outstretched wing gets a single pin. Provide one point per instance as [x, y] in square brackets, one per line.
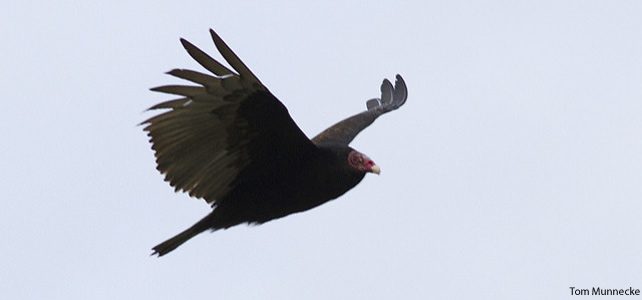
[219, 127]
[345, 131]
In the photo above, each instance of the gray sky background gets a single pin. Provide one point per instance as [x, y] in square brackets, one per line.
[513, 171]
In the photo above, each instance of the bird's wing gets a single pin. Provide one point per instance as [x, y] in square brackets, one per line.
[345, 131]
[220, 126]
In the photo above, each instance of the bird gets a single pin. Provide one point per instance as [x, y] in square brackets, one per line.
[228, 140]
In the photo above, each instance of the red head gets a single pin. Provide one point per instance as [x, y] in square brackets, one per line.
[363, 163]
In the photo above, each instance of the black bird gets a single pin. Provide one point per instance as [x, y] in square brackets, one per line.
[229, 141]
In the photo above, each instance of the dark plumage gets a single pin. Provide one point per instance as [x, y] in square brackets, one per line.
[229, 141]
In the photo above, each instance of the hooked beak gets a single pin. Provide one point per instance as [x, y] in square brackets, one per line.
[375, 169]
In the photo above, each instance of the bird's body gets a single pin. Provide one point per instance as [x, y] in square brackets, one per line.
[232, 143]
[258, 199]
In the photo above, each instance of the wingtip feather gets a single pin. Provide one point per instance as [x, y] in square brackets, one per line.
[372, 103]
[233, 59]
[387, 91]
[400, 90]
[204, 59]
[186, 44]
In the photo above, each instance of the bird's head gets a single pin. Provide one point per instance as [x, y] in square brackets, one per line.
[362, 163]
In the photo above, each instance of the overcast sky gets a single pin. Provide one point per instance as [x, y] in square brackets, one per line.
[514, 171]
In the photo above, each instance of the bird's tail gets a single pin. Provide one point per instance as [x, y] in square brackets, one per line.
[173, 243]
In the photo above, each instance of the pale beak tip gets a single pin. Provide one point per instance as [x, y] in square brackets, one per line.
[375, 169]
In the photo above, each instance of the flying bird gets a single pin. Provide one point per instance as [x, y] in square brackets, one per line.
[228, 140]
